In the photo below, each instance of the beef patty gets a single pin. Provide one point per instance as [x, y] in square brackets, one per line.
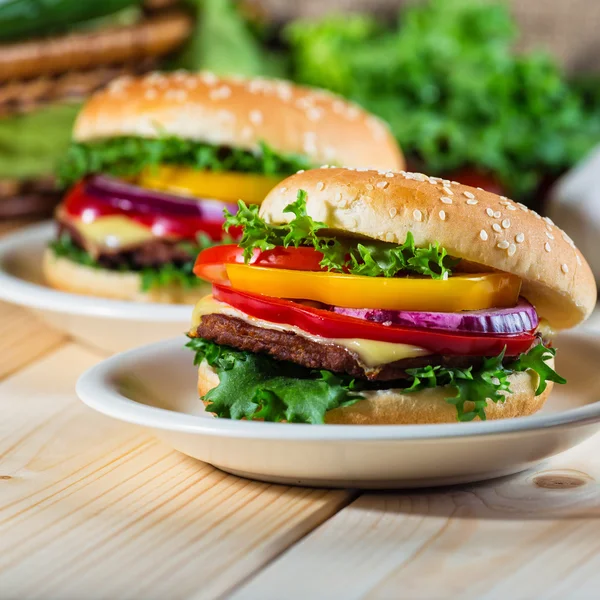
[153, 253]
[286, 345]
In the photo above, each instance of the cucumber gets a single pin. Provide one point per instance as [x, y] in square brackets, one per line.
[28, 18]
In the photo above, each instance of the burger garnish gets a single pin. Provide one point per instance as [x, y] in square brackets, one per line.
[155, 160]
[381, 309]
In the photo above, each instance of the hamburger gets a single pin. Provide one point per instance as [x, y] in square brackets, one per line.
[156, 159]
[377, 297]
[53, 55]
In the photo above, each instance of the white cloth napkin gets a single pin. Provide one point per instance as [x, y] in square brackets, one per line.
[574, 205]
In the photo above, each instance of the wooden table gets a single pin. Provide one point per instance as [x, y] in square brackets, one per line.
[94, 508]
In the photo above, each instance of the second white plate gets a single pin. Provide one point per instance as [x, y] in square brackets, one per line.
[155, 386]
[108, 325]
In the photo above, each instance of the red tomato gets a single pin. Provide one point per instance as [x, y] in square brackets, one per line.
[331, 325]
[79, 203]
[210, 264]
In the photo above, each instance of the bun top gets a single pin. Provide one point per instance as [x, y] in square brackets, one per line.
[240, 113]
[480, 227]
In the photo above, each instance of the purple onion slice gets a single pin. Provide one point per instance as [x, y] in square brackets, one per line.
[518, 319]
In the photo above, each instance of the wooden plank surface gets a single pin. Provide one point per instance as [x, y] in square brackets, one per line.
[534, 535]
[23, 338]
[91, 507]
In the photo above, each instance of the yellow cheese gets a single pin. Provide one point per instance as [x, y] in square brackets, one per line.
[545, 330]
[371, 353]
[221, 185]
[112, 231]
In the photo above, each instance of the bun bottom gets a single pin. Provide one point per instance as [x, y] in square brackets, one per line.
[65, 275]
[392, 407]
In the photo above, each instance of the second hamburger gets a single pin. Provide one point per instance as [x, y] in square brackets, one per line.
[156, 159]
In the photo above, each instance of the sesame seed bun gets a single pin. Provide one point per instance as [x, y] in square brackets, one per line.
[392, 407]
[240, 113]
[480, 227]
[68, 276]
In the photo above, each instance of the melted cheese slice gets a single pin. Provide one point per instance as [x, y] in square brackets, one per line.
[112, 231]
[371, 353]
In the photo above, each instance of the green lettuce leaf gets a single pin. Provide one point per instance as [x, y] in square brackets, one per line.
[488, 382]
[151, 277]
[372, 259]
[127, 156]
[254, 386]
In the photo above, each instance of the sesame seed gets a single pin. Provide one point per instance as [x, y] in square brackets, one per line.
[417, 214]
[483, 235]
[382, 184]
[442, 215]
[497, 214]
[472, 201]
[389, 174]
[283, 189]
[320, 186]
[503, 198]
[393, 212]
[300, 171]
[497, 228]
[256, 117]
[446, 200]
[511, 249]
[520, 238]
[550, 236]
[209, 78]
[314, 113]
[506, 223]
[389, 237]
[369, 186]
[220, 93]
[503, 245]
[352, 112]
[469, 195]
[547, 247]
[522, 207]
[511, 207]
[448, 191]
[338, 197]
[578, 259]
[564, 268]
[549, 220]
[490, 212]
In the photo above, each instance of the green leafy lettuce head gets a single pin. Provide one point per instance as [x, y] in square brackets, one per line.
[206, 122]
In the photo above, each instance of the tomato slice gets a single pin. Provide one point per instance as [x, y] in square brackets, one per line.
[80, 204]
[211, 263]
[331, 325]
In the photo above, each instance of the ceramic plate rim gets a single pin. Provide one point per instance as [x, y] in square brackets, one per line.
[18, 291]
[96, 387]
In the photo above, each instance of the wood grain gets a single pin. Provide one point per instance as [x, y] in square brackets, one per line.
[535, 535]
[91, 507]
[23, 338]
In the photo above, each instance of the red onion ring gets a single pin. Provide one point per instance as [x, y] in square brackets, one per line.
[518, 319]
[132, 198]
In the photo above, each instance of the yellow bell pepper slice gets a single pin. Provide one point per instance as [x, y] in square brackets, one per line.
[226, 186]
[460, 292]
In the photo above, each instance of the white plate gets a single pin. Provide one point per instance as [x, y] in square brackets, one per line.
[155, 386]
[108, 325]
